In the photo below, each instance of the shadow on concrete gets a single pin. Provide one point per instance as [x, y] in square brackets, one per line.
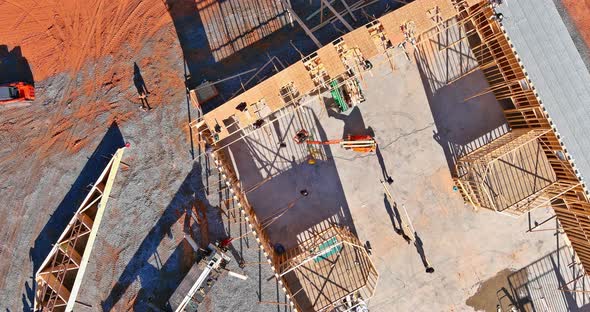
[14, 67]
[354, 123]
[112, 140]
[274, 176]
[536, 286]
[462, 126]
[395, 217]
[159, 282]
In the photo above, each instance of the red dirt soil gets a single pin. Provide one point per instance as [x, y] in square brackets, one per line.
[94, 43]
[81, 54]
[62, 35]
[579, 12]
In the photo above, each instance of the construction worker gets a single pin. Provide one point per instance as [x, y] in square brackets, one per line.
[258, 123]
[141, 88]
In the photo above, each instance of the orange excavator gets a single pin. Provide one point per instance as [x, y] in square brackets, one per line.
[356, 143]
[16, 92]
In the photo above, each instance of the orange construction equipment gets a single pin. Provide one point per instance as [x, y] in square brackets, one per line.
[16, 92]
[356, 143]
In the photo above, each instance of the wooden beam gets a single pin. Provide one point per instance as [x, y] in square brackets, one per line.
[71, 252]
[86, 220]
[349, 10]
[109, 181]
[55, 285]
[83, 232]
[60, 267]
[338, 16]
[302, 24]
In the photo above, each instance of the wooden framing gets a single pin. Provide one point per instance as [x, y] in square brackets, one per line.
[508, 174]
[361, 285]
[60, 276]
[524, 112]
[314, 71]
[329, 266]
[532, 134]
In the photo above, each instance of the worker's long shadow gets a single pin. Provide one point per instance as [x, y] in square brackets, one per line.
[13, 66]
[157, 284]
[112, 140]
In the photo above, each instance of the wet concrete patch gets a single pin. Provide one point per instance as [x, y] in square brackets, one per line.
[493, 292]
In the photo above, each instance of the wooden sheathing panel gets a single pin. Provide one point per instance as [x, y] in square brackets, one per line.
[60, 275]
[297, 74]
[361, 39]
[269, 91]
[416, 12]
[499, 62]
[331, 60]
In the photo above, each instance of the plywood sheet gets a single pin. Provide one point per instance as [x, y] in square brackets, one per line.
[298, 74]
[417, 12]
[391, 25]
[361, 38]
[269, 90]
[331, 61]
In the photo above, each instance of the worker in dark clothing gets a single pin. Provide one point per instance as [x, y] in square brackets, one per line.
[141, 87]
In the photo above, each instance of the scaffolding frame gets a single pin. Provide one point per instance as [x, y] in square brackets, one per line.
[59, 277]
